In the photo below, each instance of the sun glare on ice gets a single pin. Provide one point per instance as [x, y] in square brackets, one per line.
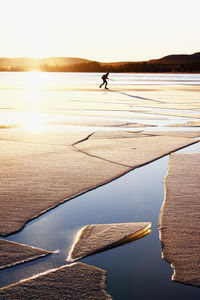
[34, 120]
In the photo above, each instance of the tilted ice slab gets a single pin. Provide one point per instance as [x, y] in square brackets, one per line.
[39, 175]
[70, 282]
[99, 237]
[13, 253]
[135, 151]
[180, 218]
[35, 178]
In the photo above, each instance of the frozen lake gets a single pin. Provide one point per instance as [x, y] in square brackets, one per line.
[73, 101]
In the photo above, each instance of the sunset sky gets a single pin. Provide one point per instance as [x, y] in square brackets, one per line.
[103, 30]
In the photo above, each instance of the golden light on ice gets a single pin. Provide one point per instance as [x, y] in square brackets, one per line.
[34, 95]
[34, 120]
[34, 80]
[33, 83]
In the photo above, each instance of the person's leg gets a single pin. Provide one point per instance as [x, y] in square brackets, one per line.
[106, 84]
[102, 83]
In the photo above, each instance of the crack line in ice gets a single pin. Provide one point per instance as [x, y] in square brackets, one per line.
[95, 156]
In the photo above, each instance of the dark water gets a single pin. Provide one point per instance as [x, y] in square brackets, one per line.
[135, 270]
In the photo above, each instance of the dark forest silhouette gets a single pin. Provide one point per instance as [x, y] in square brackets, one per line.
[168, 64]
[126, 67]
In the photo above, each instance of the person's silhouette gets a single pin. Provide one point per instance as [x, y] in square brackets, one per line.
[105, 77]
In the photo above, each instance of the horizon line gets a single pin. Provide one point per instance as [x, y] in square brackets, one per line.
[93, 60]
[77, 57]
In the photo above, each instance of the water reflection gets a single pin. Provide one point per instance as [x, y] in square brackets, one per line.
[136, 196]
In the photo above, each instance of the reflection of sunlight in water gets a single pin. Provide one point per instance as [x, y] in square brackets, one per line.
[34, 120]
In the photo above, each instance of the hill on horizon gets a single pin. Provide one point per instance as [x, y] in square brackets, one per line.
[171, 63]
[178, 59]
[25, 62]
[61, 61]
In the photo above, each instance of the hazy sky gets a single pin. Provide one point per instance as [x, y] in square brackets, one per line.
[104, 30]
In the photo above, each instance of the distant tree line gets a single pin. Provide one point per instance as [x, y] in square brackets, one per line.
[134, 67]
[14, 69]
